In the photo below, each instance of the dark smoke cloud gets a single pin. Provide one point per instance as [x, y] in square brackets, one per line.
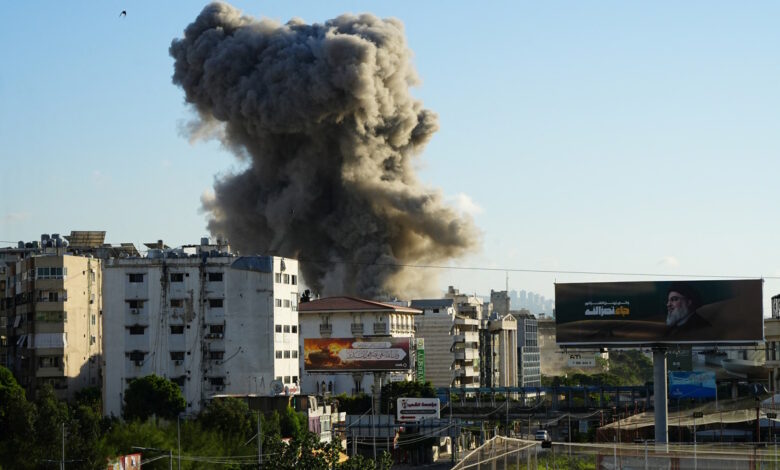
[323, 117]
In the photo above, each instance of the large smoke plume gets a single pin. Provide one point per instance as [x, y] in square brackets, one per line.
[323, 117]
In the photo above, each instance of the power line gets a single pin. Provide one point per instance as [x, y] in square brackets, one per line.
[529, 270]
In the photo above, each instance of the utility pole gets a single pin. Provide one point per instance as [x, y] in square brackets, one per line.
[259, 442]
[62, 462]
[178, 436]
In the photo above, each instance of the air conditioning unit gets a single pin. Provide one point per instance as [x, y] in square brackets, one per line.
[218, 335]
[134, 311]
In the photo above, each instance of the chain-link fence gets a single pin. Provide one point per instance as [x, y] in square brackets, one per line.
[502, 453]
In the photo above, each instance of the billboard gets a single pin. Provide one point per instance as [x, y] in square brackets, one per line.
[125, 462]
[356, 354]
[579, 361]
[692, 384]
[415, 409]
[662, 312]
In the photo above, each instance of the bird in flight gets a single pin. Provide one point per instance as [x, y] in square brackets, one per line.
[124, 13]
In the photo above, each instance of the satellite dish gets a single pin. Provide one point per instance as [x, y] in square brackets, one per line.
[277, 387]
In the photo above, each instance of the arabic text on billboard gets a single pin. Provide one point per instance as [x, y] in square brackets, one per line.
[671, 312]
[350, 354]
[415, 409]
[699, 384]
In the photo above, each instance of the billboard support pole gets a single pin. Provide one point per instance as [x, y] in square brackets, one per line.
[661, 410]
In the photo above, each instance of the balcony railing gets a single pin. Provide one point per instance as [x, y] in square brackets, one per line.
[326, 329]
[357, 328]
[380, 328]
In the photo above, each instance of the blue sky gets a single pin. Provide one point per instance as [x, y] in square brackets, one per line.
[582, 136]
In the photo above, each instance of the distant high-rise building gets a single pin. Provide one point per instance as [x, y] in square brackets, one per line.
[528, 362]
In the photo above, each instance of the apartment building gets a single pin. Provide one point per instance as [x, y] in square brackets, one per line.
[352, 345]
[529, 368]
[51, 316]
[451, 343]
[212, 322]
[499, 351]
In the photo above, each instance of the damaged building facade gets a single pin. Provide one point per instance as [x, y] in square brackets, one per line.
[212, 322]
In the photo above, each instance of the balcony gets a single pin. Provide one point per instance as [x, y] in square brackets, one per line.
[356, 328]
[380, 328]
[466, 354]
[326, 329]
[466, 337]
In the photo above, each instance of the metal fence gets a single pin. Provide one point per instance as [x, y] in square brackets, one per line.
[501, 453]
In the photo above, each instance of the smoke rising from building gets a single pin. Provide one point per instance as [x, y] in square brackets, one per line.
[322, 117]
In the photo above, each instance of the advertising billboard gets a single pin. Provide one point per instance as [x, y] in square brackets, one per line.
[415, 409]
[692, 384]
[356, 354]
[662, 312]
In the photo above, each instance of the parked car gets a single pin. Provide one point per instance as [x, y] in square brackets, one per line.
[542, 435]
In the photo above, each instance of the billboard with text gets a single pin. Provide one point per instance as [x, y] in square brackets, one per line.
[356, 354]
[661, 312]
[699, 384]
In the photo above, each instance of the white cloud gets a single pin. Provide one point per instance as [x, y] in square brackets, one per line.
[465, 204]
[670, 261]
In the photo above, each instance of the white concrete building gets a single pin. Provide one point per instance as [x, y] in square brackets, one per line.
[338, 323]
[212, 322]
[451, 343]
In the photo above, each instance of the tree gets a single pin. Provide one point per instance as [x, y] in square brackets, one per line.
[292, 423]
[153, 396]
[51, 414]
[395, 390]
[16, 423]
[228, 416]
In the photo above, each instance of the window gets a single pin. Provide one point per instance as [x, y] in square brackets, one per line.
[295, 379]
[294, 303]
[286, 303]
[215, 277]
[50, 273]
[136, 355]
[287, 354]
[286, 328]
[279, 378]
[278, 328]
[177, 277]
[278, 354]
[217, 381]
[216, 329]
[295, 354]
[50, 361]
[278, 278]
[93, 319]
[136, 329]
[286, 278]
[217, 355]
[286, 379]
[215, 303]
[177, 303]
[92, 339]
[294, 328]
[177, 355]
[294, 280]
[278, 302]
[135, 303]
[177, 329]
[136, 277]
[54, 296]
[51, 317]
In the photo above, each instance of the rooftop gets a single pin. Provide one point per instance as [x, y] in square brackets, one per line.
[351, 304]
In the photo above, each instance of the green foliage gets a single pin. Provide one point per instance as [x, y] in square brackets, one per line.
[353, 405]
[291, 423]
[153, 396]
[229, 416]
[395, 390]
[629, 367]
[17, 417]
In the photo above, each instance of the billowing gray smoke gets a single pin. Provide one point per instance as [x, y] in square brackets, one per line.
[323, 117]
